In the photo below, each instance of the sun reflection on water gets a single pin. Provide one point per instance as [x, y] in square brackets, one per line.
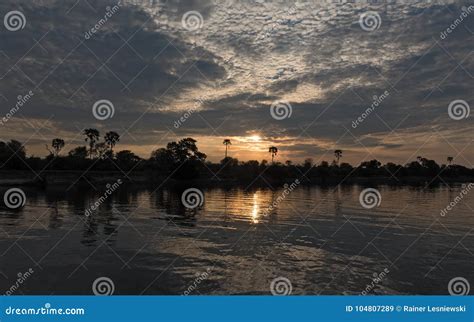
[255, 208]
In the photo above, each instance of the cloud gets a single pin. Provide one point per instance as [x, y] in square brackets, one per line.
[247, 55]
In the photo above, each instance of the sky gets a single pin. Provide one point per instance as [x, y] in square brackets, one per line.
[300, 76]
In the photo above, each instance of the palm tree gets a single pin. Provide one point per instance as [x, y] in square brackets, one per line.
[338, 155]
[111, 138]
[273, 150]
[450, 160]
[92, 136]
[56, 146]
[226, 143]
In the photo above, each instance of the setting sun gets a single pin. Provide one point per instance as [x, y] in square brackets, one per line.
[255, 138]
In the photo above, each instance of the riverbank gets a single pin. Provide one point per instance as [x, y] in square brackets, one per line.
[71, 178]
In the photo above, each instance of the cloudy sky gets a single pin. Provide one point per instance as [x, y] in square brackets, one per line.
[296, 75]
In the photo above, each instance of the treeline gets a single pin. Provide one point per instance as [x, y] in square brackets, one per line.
[183, 160]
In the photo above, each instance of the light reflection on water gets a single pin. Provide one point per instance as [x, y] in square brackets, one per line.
[318, 237]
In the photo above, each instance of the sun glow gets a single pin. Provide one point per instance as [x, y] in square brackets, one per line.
[255, 138]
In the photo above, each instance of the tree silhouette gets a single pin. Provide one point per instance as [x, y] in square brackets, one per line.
[101, 150]
[92, 136]
[226, 143]
[56, 146]
[79, 152]
[111, 138]
[126, 159]
[182, 160]
[337, 155]
[273, 150]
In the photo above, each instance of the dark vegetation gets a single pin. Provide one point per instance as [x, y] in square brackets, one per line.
[182, 160]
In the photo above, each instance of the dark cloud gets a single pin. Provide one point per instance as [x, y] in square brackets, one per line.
[246, 56]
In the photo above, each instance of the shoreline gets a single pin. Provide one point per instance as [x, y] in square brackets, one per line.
[60, 178]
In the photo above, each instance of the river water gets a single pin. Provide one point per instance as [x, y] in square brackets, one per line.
[319, 240]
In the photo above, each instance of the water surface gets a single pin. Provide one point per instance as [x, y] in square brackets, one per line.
[320, 238]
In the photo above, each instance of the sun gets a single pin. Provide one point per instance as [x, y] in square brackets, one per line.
[255, 138]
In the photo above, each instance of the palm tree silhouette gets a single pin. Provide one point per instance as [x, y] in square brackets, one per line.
[273, 150]
[56, 146]
[111, 138]
[92, 136]
[226, 143]
[337, 155]
[450, 160]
